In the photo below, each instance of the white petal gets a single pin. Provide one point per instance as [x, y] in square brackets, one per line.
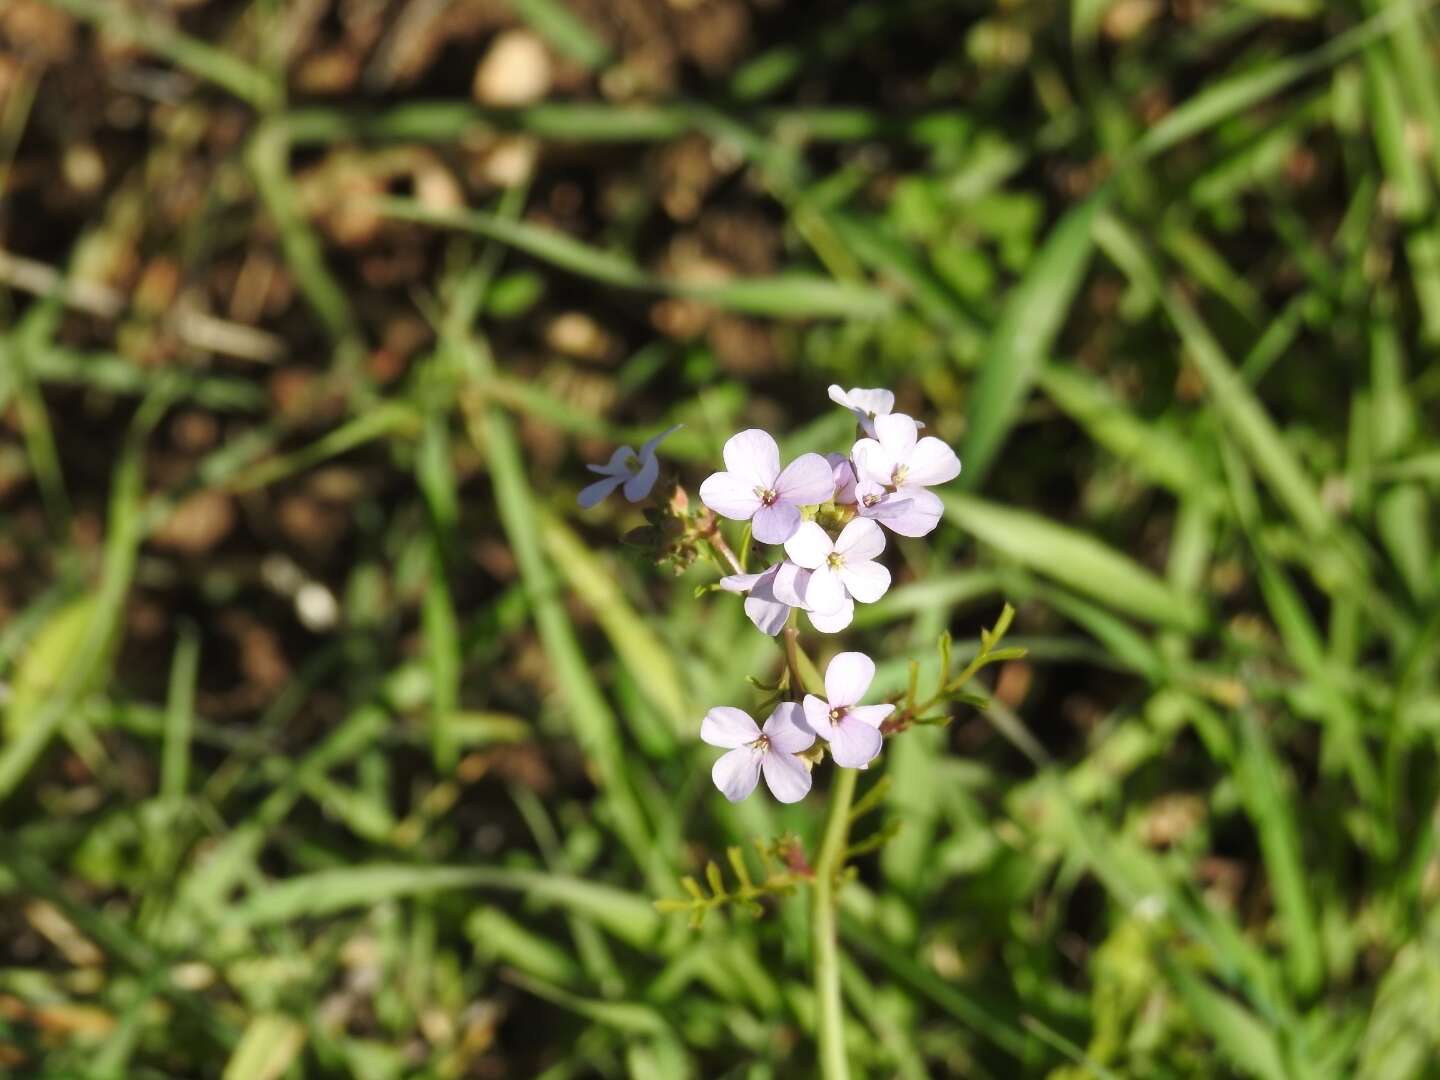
[865, 581]
[769, 616]
[788, 730]
[807, 480]
[847, 678]
[873, 463]
[826, 593]
[739, 583]
[915, 512]
[896, 433]
[810, 546]
[817, 715]
[591, 494]
[835, 621]
[776, 523]
[753, 457]
[647, 449]
[727, 726]
[839, 397]
[639, 485]
[860, 540]
[853, 744]
[729, 496]
[736, 773]
[790, 583]
[874, 715]
[786, 776]
[873, 403]
[931, 463]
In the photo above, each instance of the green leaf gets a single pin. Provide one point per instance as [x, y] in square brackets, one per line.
[1075, 559]
[1024, 335]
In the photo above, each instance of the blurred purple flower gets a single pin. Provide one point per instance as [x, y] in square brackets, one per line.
[636, 471]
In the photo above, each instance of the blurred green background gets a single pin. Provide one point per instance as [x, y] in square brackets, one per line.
[338, 742]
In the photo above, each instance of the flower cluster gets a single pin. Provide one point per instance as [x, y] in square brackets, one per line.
[827, 515]
[884, 480]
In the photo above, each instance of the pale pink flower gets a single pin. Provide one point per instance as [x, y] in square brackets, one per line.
[841, 568]
[771, 594]
[851, 729]
[754, 750]
[755, 489]
[896, 465]
[636, 471]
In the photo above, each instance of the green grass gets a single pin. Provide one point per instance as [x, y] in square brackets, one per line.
[1169, 282]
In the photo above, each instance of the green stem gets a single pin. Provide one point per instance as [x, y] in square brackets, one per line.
[830, 1016]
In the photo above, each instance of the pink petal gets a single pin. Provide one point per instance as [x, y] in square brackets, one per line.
[865, 581]
[817, 715]
[853, 744]
[807, 480]
[753, 457]
[727, 726]
[874, 715]
[729, 496]
[769, 616]
[591, 494]
[931, 463]
[896, 433]
[860, 540]
[810, 546]
[915, 512]
[826, 593]
[873, 463]
[847, 678]
[835, 621]
[773, 524]
[740, 583]
[736, 773]
[788, 731]
[639, 485]
[844, 474]
[786, 776]
[790, 583]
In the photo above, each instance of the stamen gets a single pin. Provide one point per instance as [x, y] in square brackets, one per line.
[767, 496]
[835, 560]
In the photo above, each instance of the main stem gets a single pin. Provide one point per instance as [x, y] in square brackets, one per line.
[830, 1015]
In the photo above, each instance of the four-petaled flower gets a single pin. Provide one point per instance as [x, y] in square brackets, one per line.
[770, 594]
[636, 471]
[897, 512]
[852, 729]
[841, 568]
[897, 465]
[865, 404]
[754, 750]
[755, 489]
